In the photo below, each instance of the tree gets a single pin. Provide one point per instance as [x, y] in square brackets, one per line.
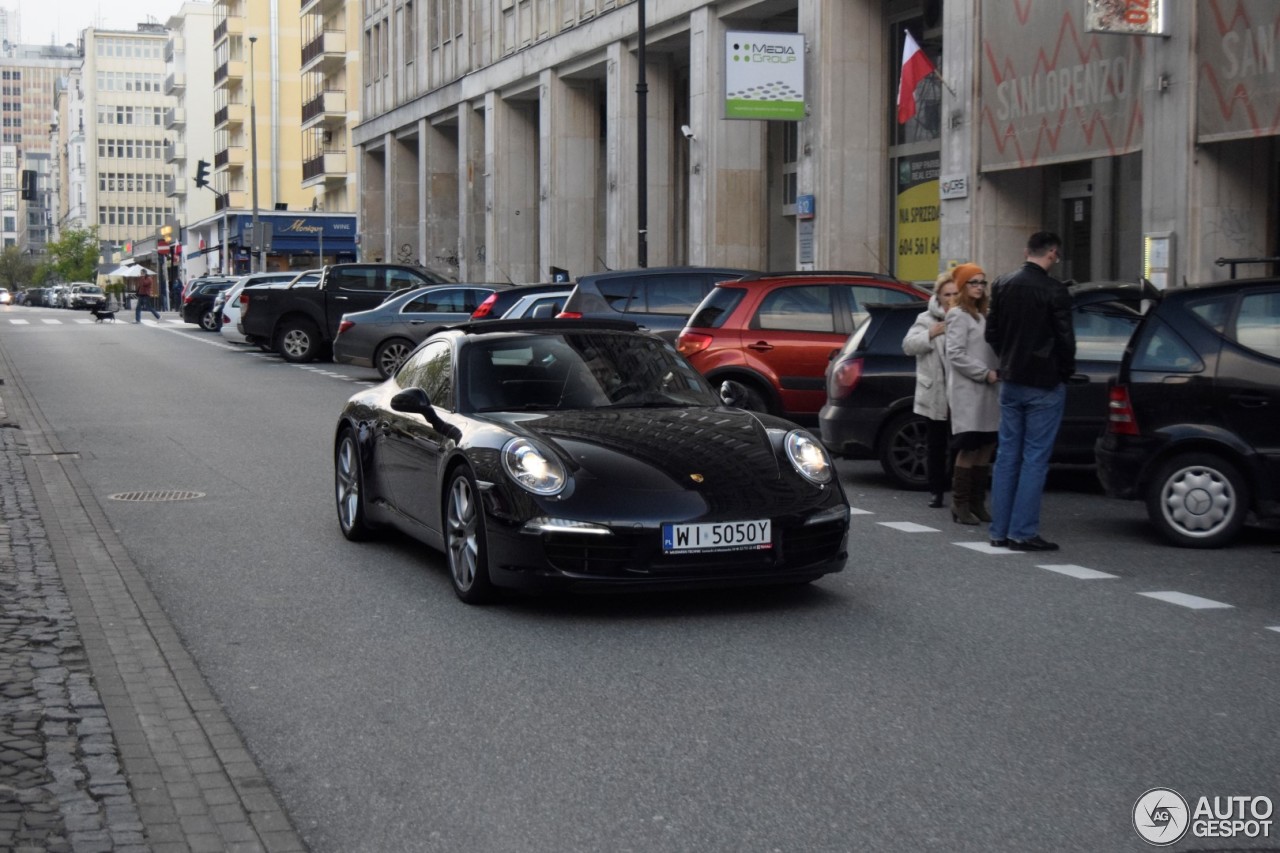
[74, 255]
[15, 268]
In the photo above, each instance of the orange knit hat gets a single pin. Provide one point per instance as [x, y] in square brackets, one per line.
[964, 272]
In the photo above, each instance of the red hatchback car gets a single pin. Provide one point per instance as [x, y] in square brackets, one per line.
[775, 332]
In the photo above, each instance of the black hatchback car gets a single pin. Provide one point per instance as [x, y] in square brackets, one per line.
[871, 382]
[1194, 427]
[197, 302]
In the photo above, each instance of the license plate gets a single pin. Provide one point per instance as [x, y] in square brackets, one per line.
[717, 536]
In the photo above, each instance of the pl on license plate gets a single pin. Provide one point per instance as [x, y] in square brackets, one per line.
[717, 536]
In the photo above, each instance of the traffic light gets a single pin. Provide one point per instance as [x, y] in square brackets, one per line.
[28, 185]
[202, 173]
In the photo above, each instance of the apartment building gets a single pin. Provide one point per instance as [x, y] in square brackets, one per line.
[125, 108]
[330, 102]
[188, 122]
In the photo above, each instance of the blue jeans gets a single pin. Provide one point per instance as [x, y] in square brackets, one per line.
[1029, 421]
[137, 311]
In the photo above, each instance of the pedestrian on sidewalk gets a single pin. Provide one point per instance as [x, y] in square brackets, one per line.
[1030, 328]
[927, 342]
[146, 293]
[175, 294]
[971, 395]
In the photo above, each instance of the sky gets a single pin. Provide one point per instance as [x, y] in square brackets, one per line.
[62, 20]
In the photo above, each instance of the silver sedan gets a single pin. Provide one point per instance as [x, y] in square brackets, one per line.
[381, 337]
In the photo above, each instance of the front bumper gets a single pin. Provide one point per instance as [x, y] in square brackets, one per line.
[630, 559]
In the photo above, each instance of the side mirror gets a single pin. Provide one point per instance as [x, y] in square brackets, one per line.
[733, 393]
[415, 401]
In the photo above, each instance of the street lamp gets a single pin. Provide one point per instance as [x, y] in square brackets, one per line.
[255, 237]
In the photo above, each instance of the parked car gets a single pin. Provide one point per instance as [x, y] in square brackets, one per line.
[659, 299]
[56, 297]
[776, 332]
[607, 462]
[299, 320]
[197, 301]
[227, 303]
[538, 306]
[5, 296]
[500, 302]
[381, 337]
[870, 384]
[86, 296]
[1194, 423]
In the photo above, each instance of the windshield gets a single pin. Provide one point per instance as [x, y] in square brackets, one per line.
[590, 370]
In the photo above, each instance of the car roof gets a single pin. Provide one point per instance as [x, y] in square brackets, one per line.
[551, 324]
[767, 277]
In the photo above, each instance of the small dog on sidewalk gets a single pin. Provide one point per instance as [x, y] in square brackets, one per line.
[103, 314]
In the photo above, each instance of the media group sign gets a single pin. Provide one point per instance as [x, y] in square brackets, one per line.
[764, 76]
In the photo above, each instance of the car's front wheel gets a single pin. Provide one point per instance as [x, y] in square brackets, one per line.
[390, 355]
[298, 341]
[465, 546]
[348, 475]
[1198, 500]
[904, 451]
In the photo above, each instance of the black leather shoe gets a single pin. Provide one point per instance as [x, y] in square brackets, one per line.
[1035, 543]
[999, 543]
[936, 501]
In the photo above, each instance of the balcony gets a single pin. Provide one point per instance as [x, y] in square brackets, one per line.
[228, 71]
[175, 117]
[231, 114]
[321, 7]
[234, 200]
[175, 82]
[325, 109]
[175, 187]
[175, 151]
[231, 157]
[327, 166]
[325, 53]
[232, 25]
[174, 46]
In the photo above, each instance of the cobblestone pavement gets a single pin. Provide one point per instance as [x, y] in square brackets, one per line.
[110, 740]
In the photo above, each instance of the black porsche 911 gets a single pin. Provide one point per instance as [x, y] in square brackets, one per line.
[583, 454]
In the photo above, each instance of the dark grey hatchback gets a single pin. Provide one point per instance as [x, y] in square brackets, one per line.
[871, 382]
[1194, 426]
[658, 299]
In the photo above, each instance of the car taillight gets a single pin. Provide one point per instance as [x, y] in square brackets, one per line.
[692, 342]
[844, 376]
[486, 308]
[344, 325]
[1120, 419]
[569, 315]
[226, 321]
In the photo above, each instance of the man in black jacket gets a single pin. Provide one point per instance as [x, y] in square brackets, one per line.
[1029, 327]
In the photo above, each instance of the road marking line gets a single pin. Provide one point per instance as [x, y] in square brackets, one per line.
[1181, 599]
[1275, 628]
[984, 548]
[909, 527]
[855, 511]
[49, 322]
[1077, 572]
[85, 322]
[20, 322]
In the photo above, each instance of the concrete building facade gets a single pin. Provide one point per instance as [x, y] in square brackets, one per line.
[330, 65]
[500, 139]
[188, 56]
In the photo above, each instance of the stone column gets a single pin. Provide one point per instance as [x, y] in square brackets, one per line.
[439, 203]
[472, 248]
[620, 156]
[373, 203]
[405, 180]
[568, 152]
[511, 200]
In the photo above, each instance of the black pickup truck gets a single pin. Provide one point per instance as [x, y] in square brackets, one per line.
[299, 319]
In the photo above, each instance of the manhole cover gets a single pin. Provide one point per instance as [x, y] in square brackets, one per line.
[167, 495]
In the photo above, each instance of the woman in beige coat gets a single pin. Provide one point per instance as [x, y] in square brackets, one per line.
[925, 341]
[972, 395]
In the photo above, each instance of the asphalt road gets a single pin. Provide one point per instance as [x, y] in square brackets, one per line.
[931, 696]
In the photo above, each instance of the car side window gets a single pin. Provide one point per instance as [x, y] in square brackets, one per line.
[400, 279]
[1100, 335]
[1165, 351]
[617, 292]
[801, 308]
[1213, 311]
[431, 369]
[1258, 323]
[357, 278]
[674, 294]
[451, 301]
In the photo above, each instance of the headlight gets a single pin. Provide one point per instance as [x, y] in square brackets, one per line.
[808, 457]
[533, 468]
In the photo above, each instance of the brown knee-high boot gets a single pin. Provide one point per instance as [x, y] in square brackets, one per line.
[978, 492]
[961, 494]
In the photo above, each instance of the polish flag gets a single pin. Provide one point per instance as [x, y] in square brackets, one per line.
[915, 67]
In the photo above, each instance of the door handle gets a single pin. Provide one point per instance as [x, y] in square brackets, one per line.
[1078, 379]
[760, 346]
[1249, 401]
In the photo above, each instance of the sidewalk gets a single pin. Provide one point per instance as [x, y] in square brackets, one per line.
[110, 740]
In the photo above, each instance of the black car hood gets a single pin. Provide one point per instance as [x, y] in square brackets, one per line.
[722, 459]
